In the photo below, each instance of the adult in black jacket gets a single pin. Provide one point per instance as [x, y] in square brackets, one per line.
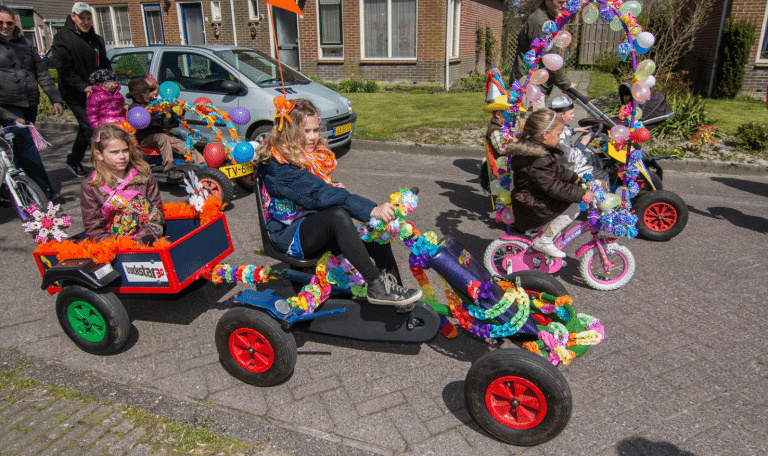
[77, 52]
[21, 71]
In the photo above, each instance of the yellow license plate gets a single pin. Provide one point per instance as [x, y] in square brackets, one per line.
[341, 129]
[238, 170]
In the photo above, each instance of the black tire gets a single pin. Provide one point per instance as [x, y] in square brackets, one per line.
[518, 397]
[29, 192]
[662, 215]
[261, 134]
[645, 187]
[242, 333]
[95, 320]
[247, 183]
[538, 281]
[216, 183]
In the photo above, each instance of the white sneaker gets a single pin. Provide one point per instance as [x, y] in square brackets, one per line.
[547, 248]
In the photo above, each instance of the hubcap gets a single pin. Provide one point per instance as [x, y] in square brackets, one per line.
[660, 217]
[515, 402]
[86, 321]
[251, 350]
[212, 186]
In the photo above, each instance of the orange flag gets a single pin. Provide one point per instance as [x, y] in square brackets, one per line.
[289, 5]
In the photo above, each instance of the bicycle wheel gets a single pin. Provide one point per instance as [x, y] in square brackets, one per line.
[622, 270]
[29, 193]
[497, 255]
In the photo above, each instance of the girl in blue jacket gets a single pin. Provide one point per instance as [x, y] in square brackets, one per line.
[308, 215]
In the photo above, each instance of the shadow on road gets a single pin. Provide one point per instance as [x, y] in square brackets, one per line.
[639, 446]
[757, 188]
[735, 217]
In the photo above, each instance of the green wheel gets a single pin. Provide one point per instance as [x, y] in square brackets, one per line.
[95, 320]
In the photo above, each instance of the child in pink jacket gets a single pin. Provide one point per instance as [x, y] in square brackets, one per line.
[105, 104]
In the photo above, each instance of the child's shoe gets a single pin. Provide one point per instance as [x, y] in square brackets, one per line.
[545, 245]
[386, 291]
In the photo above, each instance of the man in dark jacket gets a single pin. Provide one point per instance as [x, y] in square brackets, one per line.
[77, 52]
[547, 11]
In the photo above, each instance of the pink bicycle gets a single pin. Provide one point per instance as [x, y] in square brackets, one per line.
[605, 265]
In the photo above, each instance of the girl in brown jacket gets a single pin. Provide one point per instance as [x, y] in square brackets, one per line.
[545, 191]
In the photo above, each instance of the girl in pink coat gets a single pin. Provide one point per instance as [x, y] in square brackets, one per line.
[105, 104]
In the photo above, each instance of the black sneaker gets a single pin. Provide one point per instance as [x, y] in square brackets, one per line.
[75, 168]
[386, 291]
[52, 194]
[81, 171]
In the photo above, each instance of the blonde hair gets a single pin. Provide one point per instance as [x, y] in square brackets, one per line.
[102, 174]
[290, 140]
[540, 121]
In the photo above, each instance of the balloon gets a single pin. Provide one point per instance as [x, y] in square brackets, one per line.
[505, 197]
[138, 117]
[549, 27]
[242, 152]
[620, 192]
[533, 93]
[169, 90]
[645, 68]
[496, 187]
[645, 39]
[239, 115]
[619, 133]
[539, 76]
[501, 163]
[641, 135]
[589, 14]
[640, 91]
[552, 61]
[611, 201]
[616, 24]
[202, 101]
[214, 154]
[507, 216]
[631, 7]
[563, 39]
[650, 81]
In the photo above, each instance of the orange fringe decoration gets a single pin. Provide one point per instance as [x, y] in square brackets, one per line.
[178, 210]
[211, 208]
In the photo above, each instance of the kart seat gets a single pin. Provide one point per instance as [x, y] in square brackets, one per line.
[150, 151]
[269, 247]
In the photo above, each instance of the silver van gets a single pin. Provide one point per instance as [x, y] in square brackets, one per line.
[231, 77]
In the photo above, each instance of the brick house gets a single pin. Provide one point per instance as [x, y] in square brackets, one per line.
[39, 20]
[403, 41]
[701, 61]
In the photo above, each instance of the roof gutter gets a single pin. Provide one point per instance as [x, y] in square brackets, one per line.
[234, 26]
[713, 73]
[447, 50]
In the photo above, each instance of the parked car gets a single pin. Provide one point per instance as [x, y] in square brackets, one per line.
[230, 77]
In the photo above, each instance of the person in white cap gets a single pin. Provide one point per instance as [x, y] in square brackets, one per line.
[77, 52]
[578, 158]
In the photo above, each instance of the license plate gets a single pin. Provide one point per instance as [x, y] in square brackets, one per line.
[238, 170]
[341, 129]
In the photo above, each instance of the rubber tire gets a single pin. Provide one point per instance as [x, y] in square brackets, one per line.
[282, 343]
[216, 182]
[538, 281]
[263, 131]
[629, 267]
[29, 192]
[105, 302]
[247, 183]
[526, 365]
[495, 246]
[661, 197]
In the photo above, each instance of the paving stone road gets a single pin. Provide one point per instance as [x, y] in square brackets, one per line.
[683, 369]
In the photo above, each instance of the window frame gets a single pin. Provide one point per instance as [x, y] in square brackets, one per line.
[114, 24]
[144, 7]
[253, 10]
[389, 34]
[763, 44]
[455, 28]
[215, 10]
[329, 45]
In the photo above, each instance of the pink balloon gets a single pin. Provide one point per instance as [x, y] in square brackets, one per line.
[563, 39]
[533, 92]
[552, 61]
[507, 217]
[619, 133]
[640, 91]
[539, 76]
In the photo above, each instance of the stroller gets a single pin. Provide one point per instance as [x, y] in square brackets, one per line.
[662, 214]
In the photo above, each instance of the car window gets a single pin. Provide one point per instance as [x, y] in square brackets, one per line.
[193, 72]
[131, 65]
[261, 69]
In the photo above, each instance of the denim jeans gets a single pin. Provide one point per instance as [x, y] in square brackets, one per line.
[25, 154]
[84, 133]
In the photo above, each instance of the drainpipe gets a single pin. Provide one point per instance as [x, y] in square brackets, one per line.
[717, 50]
[447, 50]
[234, 27]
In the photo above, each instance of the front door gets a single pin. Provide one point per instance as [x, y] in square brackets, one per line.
[287, 31]
[192, 20]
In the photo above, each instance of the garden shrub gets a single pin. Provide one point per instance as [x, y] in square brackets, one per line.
[753, 136]
[690, 114]
[738, 38]
[473, 83]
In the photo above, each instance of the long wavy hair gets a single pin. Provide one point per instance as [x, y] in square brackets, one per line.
[104, 133]
[290, 141]
[538, 122]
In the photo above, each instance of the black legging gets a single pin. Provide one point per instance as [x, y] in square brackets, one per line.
[333, 229]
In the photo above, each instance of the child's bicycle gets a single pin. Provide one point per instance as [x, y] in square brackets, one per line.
[605, 265]
[18, 189]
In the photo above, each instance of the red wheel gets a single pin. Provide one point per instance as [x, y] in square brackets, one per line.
[216, 183]
[662, 215]
[247, 182]
[516, 402]
[254, 348]
[251, 350]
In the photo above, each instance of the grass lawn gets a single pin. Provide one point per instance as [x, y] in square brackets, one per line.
[729, 114]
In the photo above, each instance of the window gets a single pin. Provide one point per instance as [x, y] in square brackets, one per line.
[113, 25]
[454, 27]
[389, 29]
[762, 57]
[193, 72]
[153, 21]
[253, 10]
[331, 43]
[131, 65]
[216, 11]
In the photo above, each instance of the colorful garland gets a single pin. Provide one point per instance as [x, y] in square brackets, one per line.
[405, 201]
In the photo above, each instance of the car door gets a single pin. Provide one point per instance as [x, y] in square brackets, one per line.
[199, 75]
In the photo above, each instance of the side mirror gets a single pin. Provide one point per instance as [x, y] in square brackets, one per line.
[231, 87]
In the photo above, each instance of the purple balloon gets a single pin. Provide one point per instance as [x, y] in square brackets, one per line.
[239, 115]
[138, 117]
